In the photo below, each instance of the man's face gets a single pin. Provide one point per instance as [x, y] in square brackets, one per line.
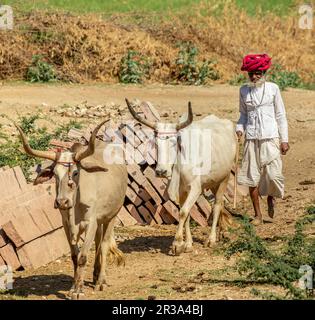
[255, 76]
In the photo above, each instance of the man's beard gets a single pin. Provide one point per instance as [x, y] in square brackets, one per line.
[258, 83]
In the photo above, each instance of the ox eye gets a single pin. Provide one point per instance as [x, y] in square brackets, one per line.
[75, 173]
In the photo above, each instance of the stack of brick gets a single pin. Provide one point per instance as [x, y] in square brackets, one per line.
[31, 233]
[147, 200]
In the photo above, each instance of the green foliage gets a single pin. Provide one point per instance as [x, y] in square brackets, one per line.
[190, 71]
[278, 267]
[238, 80]
[12, 153]
[310, 209]
[40, 70]
[133, 67]
[284, 78]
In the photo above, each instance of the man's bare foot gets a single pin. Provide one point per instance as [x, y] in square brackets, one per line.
[257, 221]
[271, 206]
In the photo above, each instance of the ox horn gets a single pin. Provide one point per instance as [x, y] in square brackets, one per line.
[50, 155]
[138, 118]
[89, 150]
[189, 120]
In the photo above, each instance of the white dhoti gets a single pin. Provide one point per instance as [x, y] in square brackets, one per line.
[262, 167]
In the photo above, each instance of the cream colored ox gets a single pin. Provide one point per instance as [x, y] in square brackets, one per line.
[194, 156]
[89, 194]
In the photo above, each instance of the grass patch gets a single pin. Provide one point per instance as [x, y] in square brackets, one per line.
[281, 266]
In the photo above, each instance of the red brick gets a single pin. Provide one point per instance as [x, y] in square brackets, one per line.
[3, 238]
[140, 134]
[53, 215]
[133, 156]
[144, 195]
[20, 178]
[130, 135]
[44, 249]
[166, 216]
[146, 215]
[157, 183]
[198, 217]
[205, 206]
[172, 209]
[9, 256]
[155, 211]
[2, 262]
[149, 111]
[126, 218]
[135, 214]
[133, 197]
[135, 172]
[22, 229]
[146, 155]
[151, 191]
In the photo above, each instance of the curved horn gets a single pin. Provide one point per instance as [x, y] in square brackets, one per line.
[50, 155]
[89, 150]
[189, 120]
[138, 118]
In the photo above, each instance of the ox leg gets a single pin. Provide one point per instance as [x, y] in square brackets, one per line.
[73, 248]
[108, 249]
[188, 240]
[178, 245]
[219, 194]
[98, 256]
[77, 292]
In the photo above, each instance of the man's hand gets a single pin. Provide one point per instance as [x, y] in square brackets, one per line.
[239, 135]
[284, 147]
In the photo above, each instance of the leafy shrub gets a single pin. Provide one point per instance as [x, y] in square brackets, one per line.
[40, 70]
[262, 265]
[133, 67]
[12, 153]
[238, 80]
[189, 70]
[284, 78]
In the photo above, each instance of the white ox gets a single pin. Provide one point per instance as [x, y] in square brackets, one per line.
[89, 194]
[195, 156]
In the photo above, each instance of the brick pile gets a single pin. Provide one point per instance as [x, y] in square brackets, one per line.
[31, 233]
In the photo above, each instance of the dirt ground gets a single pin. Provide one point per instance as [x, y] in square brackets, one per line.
[150, 270]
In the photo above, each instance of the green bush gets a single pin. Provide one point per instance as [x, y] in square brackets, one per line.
[238, 80]
[133, 68]
[40, 71]
[12, 153]
[278, 267]
[284, 78]
[190, 71]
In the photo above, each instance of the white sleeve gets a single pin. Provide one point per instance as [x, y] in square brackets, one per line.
[281, 118]
[242, 121]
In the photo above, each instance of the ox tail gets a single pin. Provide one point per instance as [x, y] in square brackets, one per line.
[235, 174]
[115, 255]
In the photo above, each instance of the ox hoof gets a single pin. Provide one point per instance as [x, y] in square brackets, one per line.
[101, 286]
[209, 243]
[188, 248]
[178, 248]
[77, 295]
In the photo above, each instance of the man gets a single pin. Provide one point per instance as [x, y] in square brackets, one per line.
[263, 123]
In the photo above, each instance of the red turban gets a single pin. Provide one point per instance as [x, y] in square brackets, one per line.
[253, 62]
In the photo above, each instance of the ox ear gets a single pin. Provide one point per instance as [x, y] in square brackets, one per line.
[44, 175]
[92, 166]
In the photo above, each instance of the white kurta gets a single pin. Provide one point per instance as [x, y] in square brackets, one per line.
[263, 119]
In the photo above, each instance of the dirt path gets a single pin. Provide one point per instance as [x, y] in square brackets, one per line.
[149, 269]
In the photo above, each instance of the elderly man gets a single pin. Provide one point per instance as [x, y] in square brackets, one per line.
[264, 125]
